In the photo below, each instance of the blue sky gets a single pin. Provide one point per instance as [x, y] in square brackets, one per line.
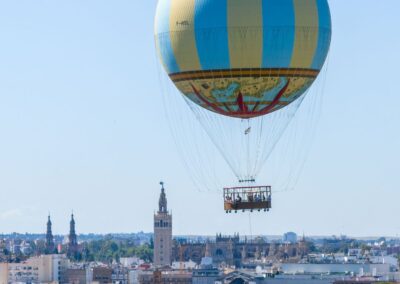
[82, 127]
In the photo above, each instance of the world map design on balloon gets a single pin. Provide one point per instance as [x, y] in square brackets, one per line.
[244, 97]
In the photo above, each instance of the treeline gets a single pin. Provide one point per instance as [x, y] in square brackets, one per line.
[108, 250]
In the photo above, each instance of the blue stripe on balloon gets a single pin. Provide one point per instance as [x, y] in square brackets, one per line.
[164, 37]
[278, 33]
[210, 22]
[324, 34]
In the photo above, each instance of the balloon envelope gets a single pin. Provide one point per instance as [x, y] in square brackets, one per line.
[243, 58]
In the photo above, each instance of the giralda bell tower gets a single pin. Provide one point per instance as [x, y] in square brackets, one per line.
[162, 232]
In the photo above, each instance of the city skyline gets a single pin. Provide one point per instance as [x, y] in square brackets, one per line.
[83, 127]
[162, 213]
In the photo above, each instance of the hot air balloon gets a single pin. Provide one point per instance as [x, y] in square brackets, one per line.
[238, 63]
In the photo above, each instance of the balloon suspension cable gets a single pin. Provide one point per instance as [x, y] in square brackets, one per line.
[250, 228]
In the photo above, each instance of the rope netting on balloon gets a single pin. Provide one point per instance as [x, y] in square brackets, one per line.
[286, 162]
[245, 144]
[203, 163]
[219, 151]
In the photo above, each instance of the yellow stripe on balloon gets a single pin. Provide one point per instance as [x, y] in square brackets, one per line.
[306, 35]
[245, 33]
[182, 35]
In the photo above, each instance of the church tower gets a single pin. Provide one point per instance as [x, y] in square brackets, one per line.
[162, 232]
[72, 239]
[49, 238]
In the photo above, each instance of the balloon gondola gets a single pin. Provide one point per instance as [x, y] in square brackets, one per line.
[247, 198]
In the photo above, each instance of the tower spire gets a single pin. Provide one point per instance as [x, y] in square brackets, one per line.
[72, 238]
[49, 237]
[162, 202]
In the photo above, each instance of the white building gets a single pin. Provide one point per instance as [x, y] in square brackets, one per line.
[41, 269]
[24, 272]
[133, 276]
[184, 265]
[130, 261]
[393, 261]
[337, 268]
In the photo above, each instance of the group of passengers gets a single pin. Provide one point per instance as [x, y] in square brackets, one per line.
[251, 197]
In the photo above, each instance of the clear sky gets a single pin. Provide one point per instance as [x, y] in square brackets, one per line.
[82, 127]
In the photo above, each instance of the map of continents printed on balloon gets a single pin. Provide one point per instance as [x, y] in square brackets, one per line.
[243, 58]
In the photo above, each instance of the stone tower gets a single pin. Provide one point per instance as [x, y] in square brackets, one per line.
[72, 239]
[162, 232]
[49, 238]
